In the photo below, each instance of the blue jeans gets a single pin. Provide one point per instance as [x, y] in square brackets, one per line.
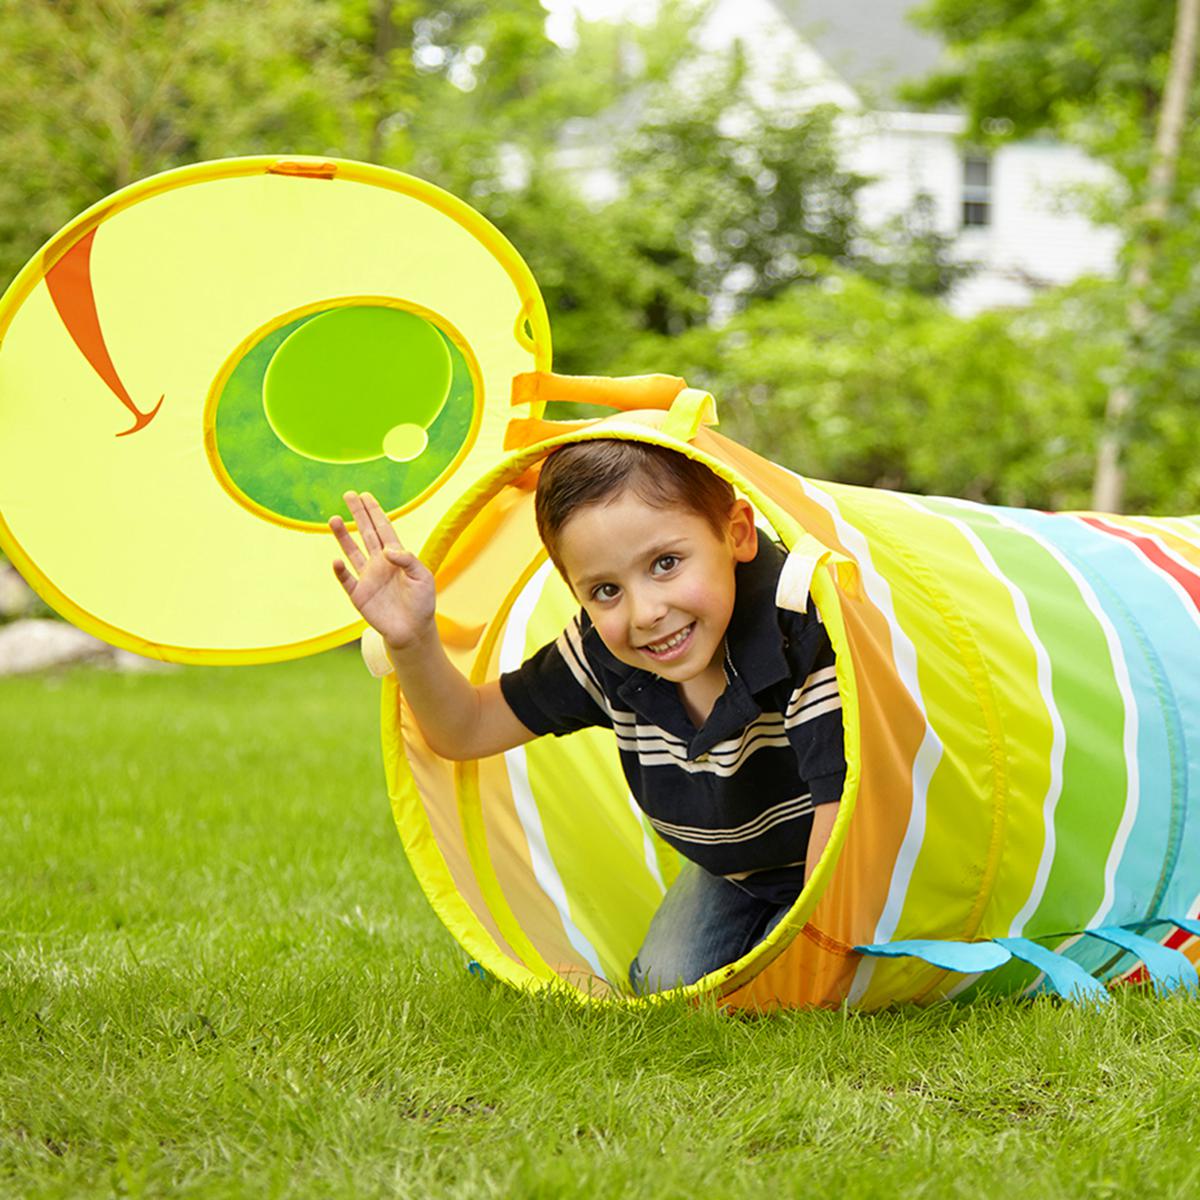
[704, 922]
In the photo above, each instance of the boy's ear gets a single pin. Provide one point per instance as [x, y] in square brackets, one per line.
[743, 533]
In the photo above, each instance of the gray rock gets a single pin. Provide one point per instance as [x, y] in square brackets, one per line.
[37, 645]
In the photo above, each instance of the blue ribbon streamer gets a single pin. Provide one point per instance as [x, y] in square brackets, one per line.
[967, 958]
[1168, 969]
[1186, 924]
[1064, 975]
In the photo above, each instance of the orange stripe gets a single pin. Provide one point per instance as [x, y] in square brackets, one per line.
[814, 970]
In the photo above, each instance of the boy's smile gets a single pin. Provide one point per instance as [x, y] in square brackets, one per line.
[658, 584]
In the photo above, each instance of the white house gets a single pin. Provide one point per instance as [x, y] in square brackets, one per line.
[1012, 211]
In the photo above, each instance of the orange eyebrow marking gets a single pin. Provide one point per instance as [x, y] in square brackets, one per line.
[70, 285]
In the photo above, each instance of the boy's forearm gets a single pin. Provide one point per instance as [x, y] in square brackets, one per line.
[458, 720]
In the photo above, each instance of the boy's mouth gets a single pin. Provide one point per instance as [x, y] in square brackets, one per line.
[670, 647]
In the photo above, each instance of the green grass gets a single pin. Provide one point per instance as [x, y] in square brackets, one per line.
[218, 978]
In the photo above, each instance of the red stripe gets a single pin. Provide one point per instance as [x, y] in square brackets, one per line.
[1155, 554]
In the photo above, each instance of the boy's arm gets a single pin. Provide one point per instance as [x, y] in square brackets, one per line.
[824, 815]
[394, 592]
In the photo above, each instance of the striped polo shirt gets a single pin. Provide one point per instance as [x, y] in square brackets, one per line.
[736, 795]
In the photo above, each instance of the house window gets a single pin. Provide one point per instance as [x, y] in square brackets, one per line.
[977, 190]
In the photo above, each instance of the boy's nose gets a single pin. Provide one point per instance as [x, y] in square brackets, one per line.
[648, 610]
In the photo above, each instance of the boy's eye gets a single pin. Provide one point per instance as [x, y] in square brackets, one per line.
[604, 591]
[666, 562]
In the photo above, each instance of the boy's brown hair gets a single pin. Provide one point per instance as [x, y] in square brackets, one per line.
[597, 471]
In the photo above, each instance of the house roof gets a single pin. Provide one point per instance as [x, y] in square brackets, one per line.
[870, 43]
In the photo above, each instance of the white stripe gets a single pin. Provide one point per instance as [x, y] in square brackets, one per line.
[652, 753]
[833, 704]
[648, 849]
[512, 653]
[776, 815]
[816, 678]
[570, 648]
[800, 700]
[1133, 787]
[655, 747]
[1045, 681]
[706, 768]
[878, 591]
[738, 876]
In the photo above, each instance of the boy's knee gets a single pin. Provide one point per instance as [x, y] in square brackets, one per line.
[659, 972]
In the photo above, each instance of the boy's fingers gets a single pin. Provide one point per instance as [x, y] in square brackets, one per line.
[406, 560]
[346, 540]
[366, 527]
[344, 577]
[383, 527]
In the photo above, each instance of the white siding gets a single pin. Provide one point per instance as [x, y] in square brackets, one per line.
[1037, 236]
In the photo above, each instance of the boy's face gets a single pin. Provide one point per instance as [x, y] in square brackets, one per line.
[658, 583]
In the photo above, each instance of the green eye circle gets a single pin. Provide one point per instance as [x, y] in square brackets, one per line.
[347, 383]
[367, 397]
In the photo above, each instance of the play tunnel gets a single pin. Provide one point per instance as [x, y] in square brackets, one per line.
[1021, 697]
[184, 397]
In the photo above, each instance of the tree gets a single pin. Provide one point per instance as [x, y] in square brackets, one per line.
[97, 93]
[1116, 78]
[855, 381]
[717, 201]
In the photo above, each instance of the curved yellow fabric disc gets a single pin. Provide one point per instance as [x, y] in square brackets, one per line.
[195, 370]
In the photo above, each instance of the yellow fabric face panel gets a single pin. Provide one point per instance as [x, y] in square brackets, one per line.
[147, 543]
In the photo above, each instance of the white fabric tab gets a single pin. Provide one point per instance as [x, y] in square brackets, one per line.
[795, 580]
[375, 654]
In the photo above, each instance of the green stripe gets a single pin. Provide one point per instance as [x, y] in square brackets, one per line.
[1089, 704]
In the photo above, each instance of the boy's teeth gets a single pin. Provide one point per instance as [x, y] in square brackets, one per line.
[672, 641]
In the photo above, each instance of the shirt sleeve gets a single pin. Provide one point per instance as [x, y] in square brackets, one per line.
[556, 690]
[814, 713]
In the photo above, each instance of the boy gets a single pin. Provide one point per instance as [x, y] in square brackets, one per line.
[725, 707]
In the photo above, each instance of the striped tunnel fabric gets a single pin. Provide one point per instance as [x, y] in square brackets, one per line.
[1021, 694]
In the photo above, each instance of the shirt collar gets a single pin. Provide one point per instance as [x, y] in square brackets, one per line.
[754, 639]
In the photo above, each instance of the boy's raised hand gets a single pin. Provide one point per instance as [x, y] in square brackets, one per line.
[390, 587]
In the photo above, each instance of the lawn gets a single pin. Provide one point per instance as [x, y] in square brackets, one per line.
[218, 978]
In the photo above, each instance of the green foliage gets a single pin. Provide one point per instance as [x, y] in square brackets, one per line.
[98, 93]
[998, 408]
[1091, 70]
[720, 201]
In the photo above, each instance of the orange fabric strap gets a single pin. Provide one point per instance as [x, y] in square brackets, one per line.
[626, 392]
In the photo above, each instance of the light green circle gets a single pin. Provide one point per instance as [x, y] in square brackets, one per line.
[403, 443]
[338, 386]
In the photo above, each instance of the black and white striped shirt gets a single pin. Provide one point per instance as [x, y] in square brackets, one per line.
[736, 795]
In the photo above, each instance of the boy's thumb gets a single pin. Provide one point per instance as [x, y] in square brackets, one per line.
[399, 556]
